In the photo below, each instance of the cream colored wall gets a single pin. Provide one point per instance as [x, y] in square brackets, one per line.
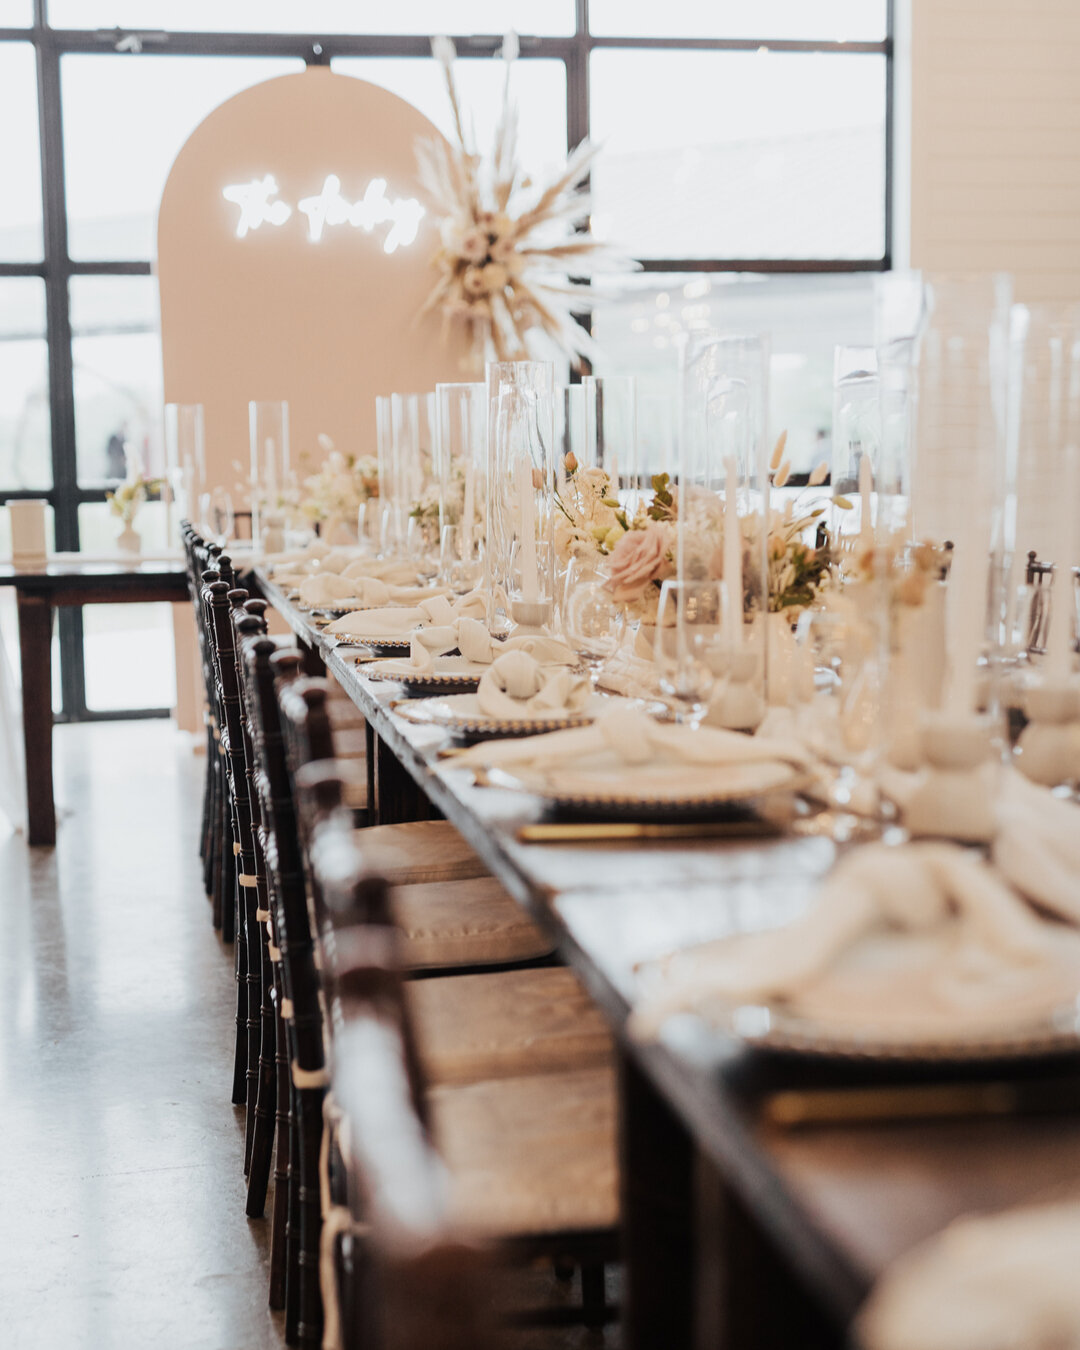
[995, 140]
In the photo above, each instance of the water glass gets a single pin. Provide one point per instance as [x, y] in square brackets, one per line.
[592, 619]
[459, 560]
[689, 645]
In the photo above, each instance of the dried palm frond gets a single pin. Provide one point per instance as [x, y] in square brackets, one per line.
[507, 249]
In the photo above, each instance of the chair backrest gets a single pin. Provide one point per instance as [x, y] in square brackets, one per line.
[261, 664]
[425, 1287]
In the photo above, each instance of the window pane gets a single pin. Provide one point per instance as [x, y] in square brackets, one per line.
[116, 352]
[820, 20]
[319, 16]
[125, 120]
[639, 318]
[538, 86]
[740, 154]
[20, 156]
[16, 13]
[25, 448]
[128, 657]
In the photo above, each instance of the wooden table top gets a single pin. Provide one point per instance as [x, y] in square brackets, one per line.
[841, 1202]
[74, 580]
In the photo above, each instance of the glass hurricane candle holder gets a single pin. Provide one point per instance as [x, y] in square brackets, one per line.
[185, 463]
[268, 424]
[611, 434]
[461, 414]
[722, 494]
[517, 429]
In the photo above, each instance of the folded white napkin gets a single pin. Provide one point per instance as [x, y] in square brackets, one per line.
[629, 675]
[372, 623]
[1038, 845]
[516, 685]
[899, 938]
[635, 739]
[415, 595]
[1002, 1282]
[324, 588]
[393, 573]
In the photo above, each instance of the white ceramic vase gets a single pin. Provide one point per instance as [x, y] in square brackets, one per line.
[129, 540]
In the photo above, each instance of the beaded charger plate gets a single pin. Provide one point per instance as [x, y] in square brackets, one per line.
[775, 1029]
[460, 714]
[449, 673]
[654, 792]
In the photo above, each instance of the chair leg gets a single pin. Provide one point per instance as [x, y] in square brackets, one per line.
[292, 1227]
[593, 1298]
[310, 1321]
[230, 900]
[240, 1064]
[262, 1109]
[204, 825]
[280, 1212]
[252, 993]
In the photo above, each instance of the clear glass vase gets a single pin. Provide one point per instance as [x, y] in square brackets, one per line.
[268, 424]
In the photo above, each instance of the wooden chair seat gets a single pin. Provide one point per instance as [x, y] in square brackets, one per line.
[531, 1155]
[469, 922]
[418, 850]
[506, 1024]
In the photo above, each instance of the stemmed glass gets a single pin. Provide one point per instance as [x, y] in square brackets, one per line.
[216, 511]
[688, 647]
[592, 618]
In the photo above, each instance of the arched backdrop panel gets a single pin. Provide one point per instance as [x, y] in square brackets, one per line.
[326, 324]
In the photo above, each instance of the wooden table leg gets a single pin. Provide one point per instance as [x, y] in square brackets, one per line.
[35, 657]
[657, 1170]
[396, 794]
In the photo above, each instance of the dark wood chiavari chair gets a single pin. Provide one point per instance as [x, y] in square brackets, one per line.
[530, 1154]
[301, 1008]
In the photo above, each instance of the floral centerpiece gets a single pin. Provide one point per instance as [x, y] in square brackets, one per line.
[507, 244]
[339, 487]
[641, 552]
[125, 502]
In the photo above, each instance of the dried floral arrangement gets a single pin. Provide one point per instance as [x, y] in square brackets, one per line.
[339, 486]
[639, 553]
[129, 496]
[508, 246]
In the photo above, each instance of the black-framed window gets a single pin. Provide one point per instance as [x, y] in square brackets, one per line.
[745, 165]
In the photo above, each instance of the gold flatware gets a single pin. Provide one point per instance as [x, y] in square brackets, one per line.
[922, 1101]
[574, 832]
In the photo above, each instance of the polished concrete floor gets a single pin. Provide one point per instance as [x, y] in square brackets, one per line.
[121, 1188]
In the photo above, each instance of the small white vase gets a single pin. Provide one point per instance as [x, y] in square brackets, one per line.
[955, 800]
[129, 540]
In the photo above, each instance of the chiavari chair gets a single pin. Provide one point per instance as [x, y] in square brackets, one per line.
[529, 1150]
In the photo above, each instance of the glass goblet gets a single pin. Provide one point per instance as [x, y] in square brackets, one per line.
[592, 618]
[686, 647]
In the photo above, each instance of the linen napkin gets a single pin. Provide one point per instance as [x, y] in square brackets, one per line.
[1037, 845]
[1001, 1282]
[635, 739]
[630, 676]
[903, 938]
[393, 622]
[382, 569]
[324, 588]
[515, 685]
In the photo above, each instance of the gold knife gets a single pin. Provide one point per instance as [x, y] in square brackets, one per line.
[574, 832]
[919, 1101]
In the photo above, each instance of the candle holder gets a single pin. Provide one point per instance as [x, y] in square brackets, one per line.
[856, 438]
[415, 479]
[461, 414]
[390, 530]
[185, 463]
[268, 424]
[723, 480]
[611, 440]
[520, 428]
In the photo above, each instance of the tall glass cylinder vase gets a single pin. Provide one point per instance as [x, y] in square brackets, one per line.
[508, 442]
[1043, 529]
[961, 467]
[856, 438]
[390, 534]
[461, 413]
[415, 478]
[611, 433]
[722, 492]
[185, 461]
[268, 425]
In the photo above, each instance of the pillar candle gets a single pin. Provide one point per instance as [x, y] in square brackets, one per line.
[530, 588]
[733, 584]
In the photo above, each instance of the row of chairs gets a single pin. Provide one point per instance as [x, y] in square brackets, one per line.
[472, 1102]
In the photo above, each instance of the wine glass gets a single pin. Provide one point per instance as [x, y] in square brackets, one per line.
[459, 567]
[216, 514]
[687, 646]
[592, 618]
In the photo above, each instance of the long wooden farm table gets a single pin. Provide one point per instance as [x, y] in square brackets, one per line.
[738, 1231]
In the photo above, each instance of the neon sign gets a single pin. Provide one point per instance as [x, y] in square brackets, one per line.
[260, 205]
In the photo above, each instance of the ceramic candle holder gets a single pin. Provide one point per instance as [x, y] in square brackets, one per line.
[956, 797]
[1048, 751]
